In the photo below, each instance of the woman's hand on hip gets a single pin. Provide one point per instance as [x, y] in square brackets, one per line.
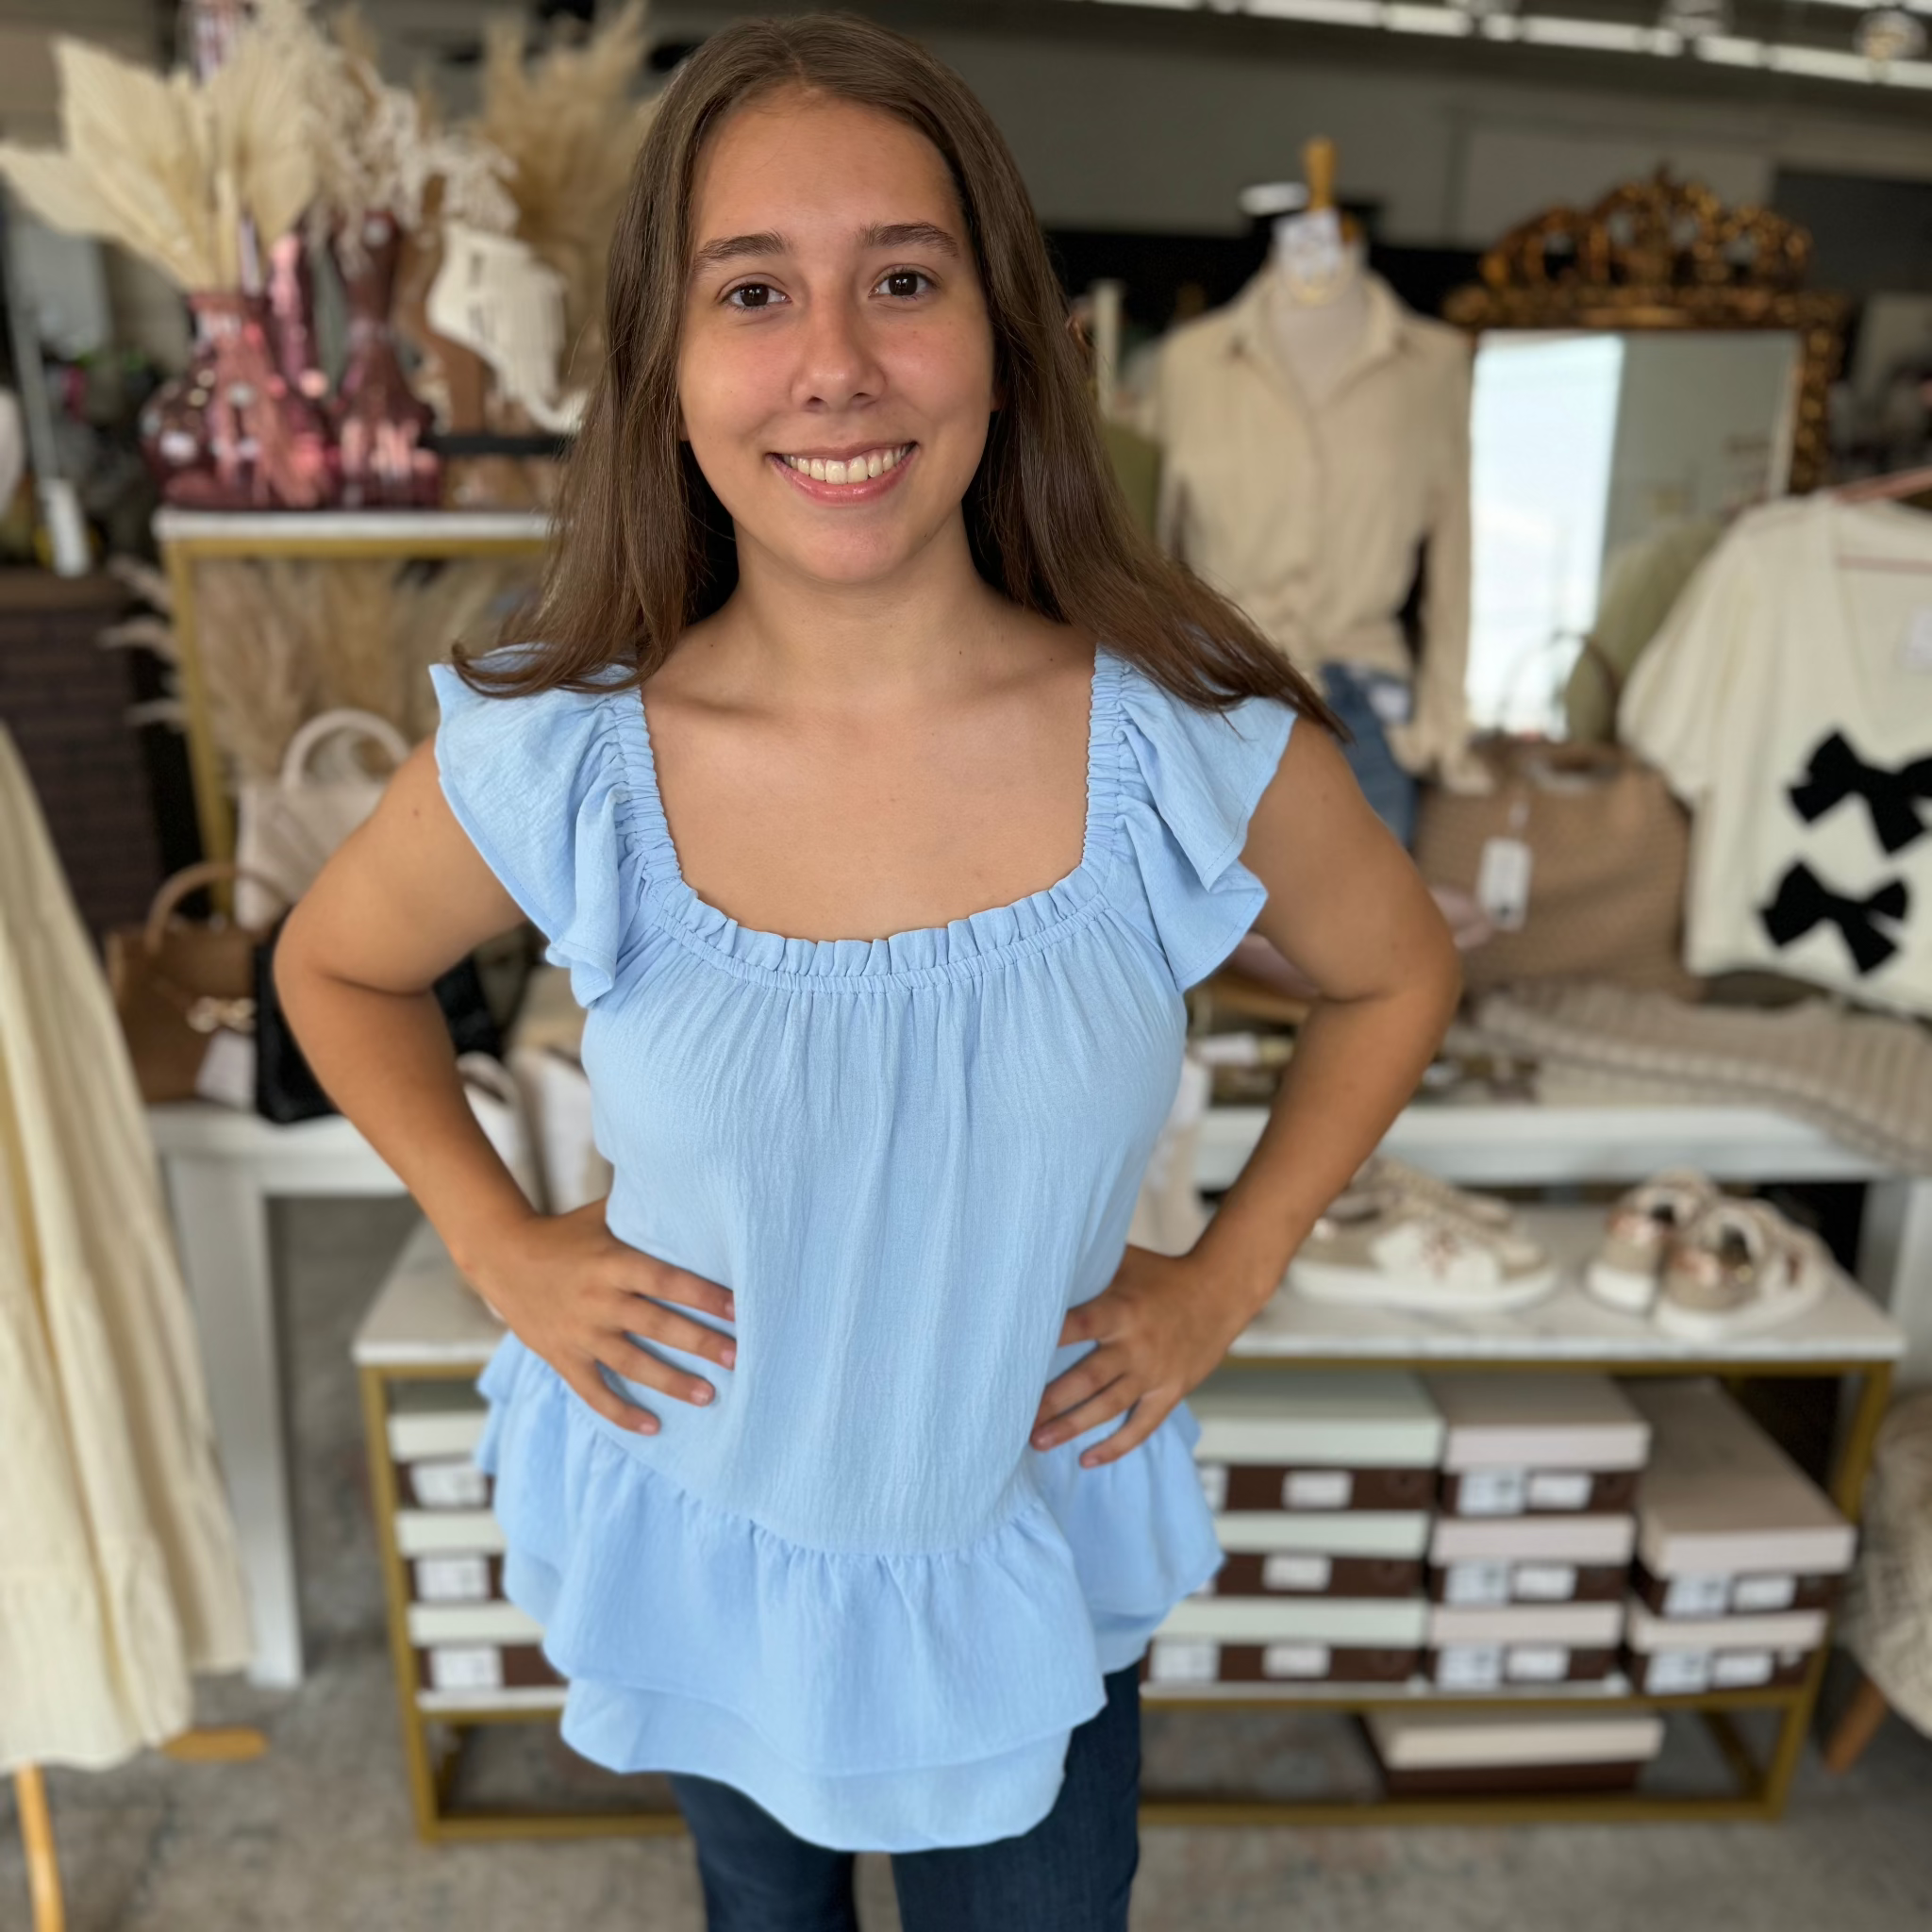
[1159, 1326]
[573, 1293]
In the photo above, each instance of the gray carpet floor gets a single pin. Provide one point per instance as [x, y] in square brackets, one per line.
[316, 1837]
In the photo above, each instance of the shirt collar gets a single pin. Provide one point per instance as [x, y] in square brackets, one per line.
[1382, 336]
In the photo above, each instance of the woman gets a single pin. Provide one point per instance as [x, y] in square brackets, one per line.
[882, 791]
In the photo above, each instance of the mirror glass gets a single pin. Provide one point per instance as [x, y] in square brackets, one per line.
[1586, 443]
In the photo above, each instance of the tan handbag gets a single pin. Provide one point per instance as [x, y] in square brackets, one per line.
[1607, 850]
[178, 983]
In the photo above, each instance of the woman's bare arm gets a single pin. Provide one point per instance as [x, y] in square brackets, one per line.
[1347, 906]
[401, 900]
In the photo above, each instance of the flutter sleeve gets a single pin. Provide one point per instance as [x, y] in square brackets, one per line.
[537, 784]
[1188, 782]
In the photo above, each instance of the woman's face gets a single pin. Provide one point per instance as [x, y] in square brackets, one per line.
[835, 369]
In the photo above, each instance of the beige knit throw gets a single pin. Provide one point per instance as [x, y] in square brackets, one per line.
[1864, 1078]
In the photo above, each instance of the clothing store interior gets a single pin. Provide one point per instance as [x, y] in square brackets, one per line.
[1551, 382]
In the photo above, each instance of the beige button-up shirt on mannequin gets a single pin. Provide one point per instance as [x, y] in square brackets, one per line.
[1313, 515]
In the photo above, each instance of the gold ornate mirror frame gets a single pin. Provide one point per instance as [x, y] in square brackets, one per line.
[1664, 253]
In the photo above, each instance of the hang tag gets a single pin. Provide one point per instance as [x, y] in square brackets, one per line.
[1915, 649]
[1308, 248]
[1502, 882]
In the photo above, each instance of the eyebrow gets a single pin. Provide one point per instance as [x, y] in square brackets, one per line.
[880, 235]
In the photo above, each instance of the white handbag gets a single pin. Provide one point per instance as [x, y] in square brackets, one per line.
[288, 825]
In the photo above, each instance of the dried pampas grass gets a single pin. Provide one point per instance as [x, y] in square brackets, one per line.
[284, 638]
[376, 149]
[165, 167]
[569, 122]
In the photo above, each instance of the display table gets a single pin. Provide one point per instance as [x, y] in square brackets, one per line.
[222, 1167]
[426, 1327]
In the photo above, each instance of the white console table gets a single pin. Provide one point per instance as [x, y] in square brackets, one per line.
[222, 1167]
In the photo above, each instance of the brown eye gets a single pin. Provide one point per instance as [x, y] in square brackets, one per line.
[904, 283]
[757, 296]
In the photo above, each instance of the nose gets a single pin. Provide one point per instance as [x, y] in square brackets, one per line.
[838, 363]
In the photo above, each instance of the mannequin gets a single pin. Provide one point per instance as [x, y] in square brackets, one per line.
[1315, 440]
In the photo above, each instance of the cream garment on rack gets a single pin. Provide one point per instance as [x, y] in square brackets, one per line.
[119, 1573]
[1313, 516]
[1787, 700]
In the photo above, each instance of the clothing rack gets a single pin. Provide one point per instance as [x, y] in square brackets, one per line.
[206, 1744]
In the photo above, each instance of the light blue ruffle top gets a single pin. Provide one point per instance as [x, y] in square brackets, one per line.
[849, 1586]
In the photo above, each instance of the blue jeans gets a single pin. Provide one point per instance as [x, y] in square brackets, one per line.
[1072, 1873]
[1367, 701]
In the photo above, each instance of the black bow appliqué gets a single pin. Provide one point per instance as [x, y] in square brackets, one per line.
[1802, 901]
[1892, 797]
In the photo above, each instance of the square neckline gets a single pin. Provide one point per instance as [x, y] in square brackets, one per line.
[984, 932]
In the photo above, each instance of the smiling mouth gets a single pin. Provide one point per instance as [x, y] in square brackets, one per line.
[861, 466]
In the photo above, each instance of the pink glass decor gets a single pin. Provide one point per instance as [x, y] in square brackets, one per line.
[229, 433]
[380, 423]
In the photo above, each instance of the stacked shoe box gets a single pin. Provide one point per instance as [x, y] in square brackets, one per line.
[1738, 1554]
[1427, 1754]
[1322, 1485]
[468, 1640]
[1528, 1556]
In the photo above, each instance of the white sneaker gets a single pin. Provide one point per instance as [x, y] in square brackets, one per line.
[1638, 1235]
[1739, 1268]
[1402, 1251]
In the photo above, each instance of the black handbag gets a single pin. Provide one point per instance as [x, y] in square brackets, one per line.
[287, 1090]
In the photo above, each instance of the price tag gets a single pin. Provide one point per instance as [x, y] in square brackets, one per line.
[1469, 1667]
[1915, 652]
[1491, 1492]
[1678, 1672]
[1317, 1489]
[466, 1667]
[1284, 1570]
[455, 1483]
[1214, 1483]
[1560, 1489]
[1472, 1585]
[1183, 1660]
[452, 1579]
[1294, 1660]
[1537, 1663]
[1544, 1583]
[1502, 882]
[1764, 1593]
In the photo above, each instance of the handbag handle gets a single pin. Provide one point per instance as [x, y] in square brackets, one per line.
[177, 886]
[328, 724]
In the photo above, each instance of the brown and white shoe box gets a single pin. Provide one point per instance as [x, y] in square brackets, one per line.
[1303, 1439]
[1531, 1444]
[1478, 1563]
[1350, 1553]
[1453, 1753]
[1729, 1524]
[434, 1428]
[1686, 1656]
[1261, 1639]
[477, 1648]
[1525, 1643]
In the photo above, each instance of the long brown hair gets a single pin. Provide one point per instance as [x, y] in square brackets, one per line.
[643, 548]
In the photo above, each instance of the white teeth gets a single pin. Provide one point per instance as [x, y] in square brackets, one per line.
[853, 470]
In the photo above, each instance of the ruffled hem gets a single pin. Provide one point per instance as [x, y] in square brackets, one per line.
[847, 1662]
[943, 1805]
